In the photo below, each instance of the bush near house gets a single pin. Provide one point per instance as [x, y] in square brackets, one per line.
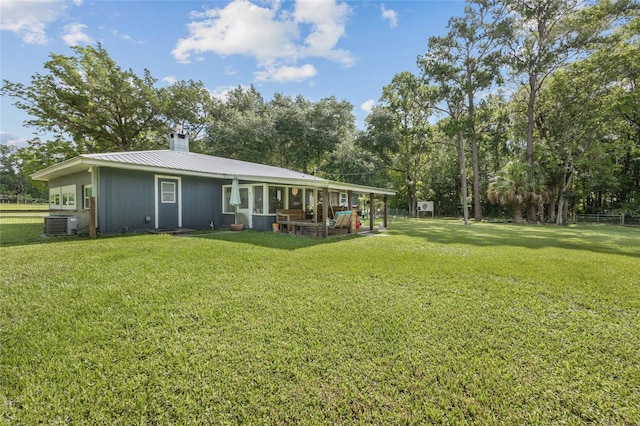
[430, 322]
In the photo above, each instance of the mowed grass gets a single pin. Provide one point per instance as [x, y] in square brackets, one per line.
[431, 322]
[24, 207]
[21, 228]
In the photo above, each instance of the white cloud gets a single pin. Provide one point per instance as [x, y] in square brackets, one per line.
[367, 106]
[9, 139]
[170, 79]
[389, 15]
[29, 19]
[240, 28]
[114, 32]
[73, 34]
[276, 38]
[222, 92]
[286, 73]
[328, 21]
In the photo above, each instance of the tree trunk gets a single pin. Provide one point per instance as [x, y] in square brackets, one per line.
[477, 204]
[552, 208]
[562, 207]
[411, 195]
[462, 162]
[533, 91]
[533, 88]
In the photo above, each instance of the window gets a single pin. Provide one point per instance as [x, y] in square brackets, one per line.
[62, 197]
[226, 196]
[295, 198]
[244, 198]
[54, 198]
[334, 199]
[168, 192]
[276, 198]
[343, 200]
[258, 199]
[68, 197]
[86, 194]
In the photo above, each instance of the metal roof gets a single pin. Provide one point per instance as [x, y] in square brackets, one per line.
[192, 162]
[189, 163]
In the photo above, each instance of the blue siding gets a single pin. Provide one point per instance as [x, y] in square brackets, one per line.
[201, 202]
[263, 223]
[127, 198]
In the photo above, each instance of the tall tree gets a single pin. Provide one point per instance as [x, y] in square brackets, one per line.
[617, 67]
[188, 106]
[90, 99]
[467, 60]
[398, 131]
[307, 132]
[570, 125]
[550, 33]
[447, 97]
[242, 128]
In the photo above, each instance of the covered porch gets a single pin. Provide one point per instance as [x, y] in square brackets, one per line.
[321, 210]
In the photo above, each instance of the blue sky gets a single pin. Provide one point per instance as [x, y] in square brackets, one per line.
[313, 48]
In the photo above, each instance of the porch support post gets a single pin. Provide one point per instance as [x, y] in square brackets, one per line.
[384, 200]
[372, 211]
[92, 217]
[325, 211]
[352, 226]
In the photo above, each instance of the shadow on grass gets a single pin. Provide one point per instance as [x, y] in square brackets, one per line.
[271, 240]
[598, 239]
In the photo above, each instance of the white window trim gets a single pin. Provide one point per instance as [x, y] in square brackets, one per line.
[85, 206]
[156, 187]
[53, 192]
[63, 192]
[173, 193]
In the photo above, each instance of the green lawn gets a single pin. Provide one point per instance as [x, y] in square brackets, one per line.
[24, 206]
[430, 322]
[21, 228]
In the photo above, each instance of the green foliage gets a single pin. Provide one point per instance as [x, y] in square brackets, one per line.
[241, 128]
[188, 105]
[433, 323]
[517, 185]
[89, 98]
[286, 132]
[399, 133]
[14, 176]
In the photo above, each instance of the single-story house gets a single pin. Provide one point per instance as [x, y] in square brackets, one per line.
[175, 188]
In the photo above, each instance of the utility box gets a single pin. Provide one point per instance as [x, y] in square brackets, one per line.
[61, 225]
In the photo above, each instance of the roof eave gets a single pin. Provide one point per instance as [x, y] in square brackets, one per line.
[79, 163]
[60, 169]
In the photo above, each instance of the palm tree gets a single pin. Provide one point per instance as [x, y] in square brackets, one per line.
[517, 185]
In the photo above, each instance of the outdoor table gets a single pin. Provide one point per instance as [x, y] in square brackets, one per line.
[297, 226]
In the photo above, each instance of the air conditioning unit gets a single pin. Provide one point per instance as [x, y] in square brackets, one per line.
[60, 225]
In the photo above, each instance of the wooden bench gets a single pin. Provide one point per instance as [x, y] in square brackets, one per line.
[284, 217]
[289, 215]
[306, 228]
